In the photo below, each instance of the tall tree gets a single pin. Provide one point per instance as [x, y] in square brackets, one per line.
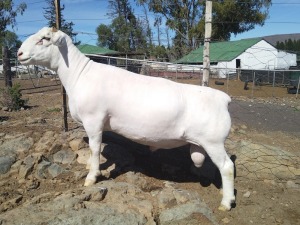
[235, 17]
[50, 15]
[8, 13]
[126, 32]
[186, 18]
[11, 41]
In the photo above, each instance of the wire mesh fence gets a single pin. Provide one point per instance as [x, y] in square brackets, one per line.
[265, 111]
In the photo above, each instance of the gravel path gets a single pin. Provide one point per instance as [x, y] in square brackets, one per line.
[266, 116]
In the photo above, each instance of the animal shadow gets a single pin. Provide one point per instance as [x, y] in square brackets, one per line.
[164, 164]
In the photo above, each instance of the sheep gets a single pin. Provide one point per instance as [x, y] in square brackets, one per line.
[152, 111]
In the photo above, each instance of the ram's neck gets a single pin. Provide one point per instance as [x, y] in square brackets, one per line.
[70, 66]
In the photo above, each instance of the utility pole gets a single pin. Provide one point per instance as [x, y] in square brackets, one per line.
[207, 38]
[63, 90]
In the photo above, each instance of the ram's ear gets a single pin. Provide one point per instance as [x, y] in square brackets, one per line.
[58, 38]
[54, 29]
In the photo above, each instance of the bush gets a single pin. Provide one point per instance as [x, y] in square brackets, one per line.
[11, 97]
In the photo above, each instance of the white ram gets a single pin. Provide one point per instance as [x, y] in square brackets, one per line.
[151, 111]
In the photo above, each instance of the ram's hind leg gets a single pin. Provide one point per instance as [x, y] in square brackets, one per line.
[220, 158]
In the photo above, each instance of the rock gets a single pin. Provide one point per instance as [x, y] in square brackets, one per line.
[247, 194]
[292, 185]
[55, 170]
[42, 169]
[27, 166]
[55, 147]
[244, 127]
[136, 179]
[182, 213]
[64, 157]
[16, 145]
[78, 175]
[77, 144]
[265, 162]
[225, 220]
[6, 163]
[32, 184]
[30, 120]
[83, 156]
[5, 108]
[166, 199]
[10, 204]
[45, 142]
[183, 196]
[93, 193]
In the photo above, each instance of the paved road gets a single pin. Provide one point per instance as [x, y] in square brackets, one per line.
[265, 116]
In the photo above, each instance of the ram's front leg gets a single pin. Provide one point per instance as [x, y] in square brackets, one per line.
[94, 160]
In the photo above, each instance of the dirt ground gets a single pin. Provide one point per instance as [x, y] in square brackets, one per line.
[270, 201]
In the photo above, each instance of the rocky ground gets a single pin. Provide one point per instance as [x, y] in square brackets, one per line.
[42, 170]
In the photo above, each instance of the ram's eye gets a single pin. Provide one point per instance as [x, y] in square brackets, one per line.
[46, 38]
[40, 42]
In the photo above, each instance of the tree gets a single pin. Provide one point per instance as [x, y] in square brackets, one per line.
[126, 32]
[8, 13]
[11, 41]
[105, 36]
[50, 15]
[180, 16]
[186, 18]
[235, 17]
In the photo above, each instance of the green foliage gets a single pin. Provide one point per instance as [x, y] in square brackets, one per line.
[289, 45]
[186, 18]
[11, 97]
[125, 33]
[8, 13]
[10, 39]
[235, 17]
[50, 15]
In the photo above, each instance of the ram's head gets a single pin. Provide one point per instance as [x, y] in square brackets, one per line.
[42, 47]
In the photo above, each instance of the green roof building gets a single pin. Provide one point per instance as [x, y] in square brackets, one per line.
[220, 51]
[253, 54]
[95, 50]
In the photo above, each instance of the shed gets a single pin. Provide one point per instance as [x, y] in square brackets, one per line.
[94, 53]
[254, 54]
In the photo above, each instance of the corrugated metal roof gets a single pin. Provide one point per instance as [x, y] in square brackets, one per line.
[92, 49]
[220, 51]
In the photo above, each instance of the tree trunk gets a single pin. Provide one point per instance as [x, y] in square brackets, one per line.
[6, 67]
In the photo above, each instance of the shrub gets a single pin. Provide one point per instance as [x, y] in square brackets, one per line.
[11, 97]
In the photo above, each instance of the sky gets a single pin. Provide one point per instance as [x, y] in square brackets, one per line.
[284, 18]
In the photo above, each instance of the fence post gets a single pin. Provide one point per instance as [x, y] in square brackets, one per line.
[253, 82]
[176, 71]
[298, 87]
[227, 76]
[6, 67]
[273, 84]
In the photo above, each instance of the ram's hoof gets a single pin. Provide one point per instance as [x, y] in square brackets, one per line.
[89, 182]
[224, 208]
